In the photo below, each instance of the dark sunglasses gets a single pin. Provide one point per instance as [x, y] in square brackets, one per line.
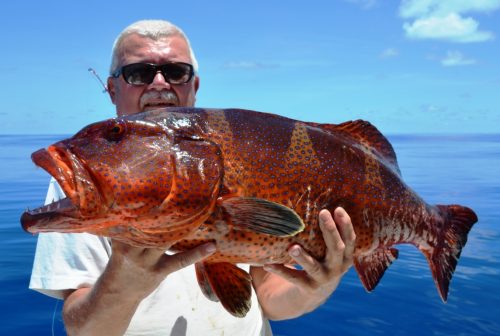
[144, 73]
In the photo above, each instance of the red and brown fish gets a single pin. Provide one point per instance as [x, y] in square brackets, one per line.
[253, 183]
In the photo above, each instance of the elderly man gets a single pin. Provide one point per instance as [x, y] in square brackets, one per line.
[110, 288]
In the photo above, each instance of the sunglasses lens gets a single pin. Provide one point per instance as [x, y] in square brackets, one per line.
[144, 73]
[177, 73]
[139, 73]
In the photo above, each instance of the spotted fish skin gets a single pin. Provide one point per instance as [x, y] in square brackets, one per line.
[185, 176]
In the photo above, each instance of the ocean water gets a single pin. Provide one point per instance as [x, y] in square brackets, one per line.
[443, 169]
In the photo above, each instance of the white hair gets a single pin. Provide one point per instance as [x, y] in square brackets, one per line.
[154, 29]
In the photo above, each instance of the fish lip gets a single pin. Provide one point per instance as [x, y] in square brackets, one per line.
[67, 169]
[31, 219]
[58, 166]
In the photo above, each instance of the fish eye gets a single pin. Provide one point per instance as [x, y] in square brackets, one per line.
[115, 130]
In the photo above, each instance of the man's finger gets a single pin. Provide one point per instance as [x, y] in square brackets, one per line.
[334, 243]
[310, 265]
[173, 263]
[292, 275]
[125, 249]
[346, 231]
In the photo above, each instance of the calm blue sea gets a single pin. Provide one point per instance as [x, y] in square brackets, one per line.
[443, 169]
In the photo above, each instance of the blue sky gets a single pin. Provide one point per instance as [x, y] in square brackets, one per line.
[413, 66]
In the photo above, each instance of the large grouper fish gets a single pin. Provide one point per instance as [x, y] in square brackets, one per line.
[253, 183]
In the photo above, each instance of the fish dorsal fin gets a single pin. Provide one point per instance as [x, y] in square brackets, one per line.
[369, 136]
[261, 216]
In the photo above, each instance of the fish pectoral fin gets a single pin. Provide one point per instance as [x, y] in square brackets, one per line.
[228, 284]
[371, 268]
[262, 216]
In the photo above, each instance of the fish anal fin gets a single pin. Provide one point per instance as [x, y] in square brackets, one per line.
[261, 216]
[228, 284]
[371, 268]
[443, 257]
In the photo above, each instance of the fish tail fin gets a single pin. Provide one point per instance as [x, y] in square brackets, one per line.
[443, 257]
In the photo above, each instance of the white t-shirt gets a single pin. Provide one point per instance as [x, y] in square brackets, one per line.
[176, 307]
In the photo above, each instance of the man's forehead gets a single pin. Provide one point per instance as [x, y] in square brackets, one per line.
[135, 47]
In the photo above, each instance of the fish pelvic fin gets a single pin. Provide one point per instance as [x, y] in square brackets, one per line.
[226, 283]
[262, 216]
[204, 282]
[443, 258]
[371, 267]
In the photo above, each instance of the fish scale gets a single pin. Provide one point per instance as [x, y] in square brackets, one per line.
[253, 183]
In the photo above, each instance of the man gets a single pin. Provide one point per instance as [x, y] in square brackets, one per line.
[111, 288]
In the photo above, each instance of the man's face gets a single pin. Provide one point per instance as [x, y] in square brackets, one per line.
[131, 99]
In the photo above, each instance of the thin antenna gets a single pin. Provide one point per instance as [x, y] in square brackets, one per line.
[99, 79]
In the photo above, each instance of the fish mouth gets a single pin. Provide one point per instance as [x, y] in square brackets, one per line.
[33, 220]
[82, 199]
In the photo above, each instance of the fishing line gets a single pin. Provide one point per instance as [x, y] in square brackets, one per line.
[93, 72]
[54, 317]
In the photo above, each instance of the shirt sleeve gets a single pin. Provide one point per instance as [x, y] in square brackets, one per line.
[67, 260]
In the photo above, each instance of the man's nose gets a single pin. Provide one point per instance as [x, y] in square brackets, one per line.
[159, 82]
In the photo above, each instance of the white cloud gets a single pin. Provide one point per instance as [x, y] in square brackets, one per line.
[389, 52]
[455, 58]
[446, 19]
[425, 8]
[451, 27]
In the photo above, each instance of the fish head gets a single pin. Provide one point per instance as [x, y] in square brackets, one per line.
[128, 175]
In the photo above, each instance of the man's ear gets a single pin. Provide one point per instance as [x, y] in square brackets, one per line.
[196, 83]
[111, 89]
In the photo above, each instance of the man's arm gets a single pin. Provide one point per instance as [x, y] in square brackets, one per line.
[285, 292]
[131, 274]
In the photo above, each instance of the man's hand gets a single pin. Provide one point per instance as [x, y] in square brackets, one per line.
[132, 274]
[139, 271]
[286, 292]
